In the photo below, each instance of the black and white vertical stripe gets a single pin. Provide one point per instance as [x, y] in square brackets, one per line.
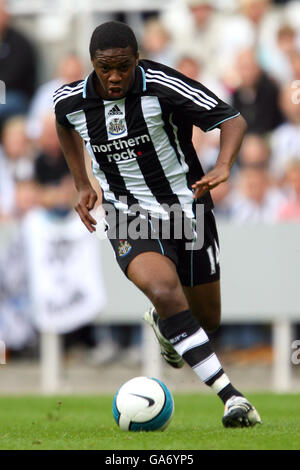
[174, 170]
[79, 121]
[144, 181]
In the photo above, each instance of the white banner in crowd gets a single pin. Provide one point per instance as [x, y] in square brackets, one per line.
[64, 263]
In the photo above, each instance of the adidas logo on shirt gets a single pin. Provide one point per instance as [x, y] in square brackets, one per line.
[115, 111]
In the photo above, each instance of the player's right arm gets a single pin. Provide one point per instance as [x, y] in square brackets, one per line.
[72, 148]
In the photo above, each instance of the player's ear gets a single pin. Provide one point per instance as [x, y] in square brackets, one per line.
[137, 58]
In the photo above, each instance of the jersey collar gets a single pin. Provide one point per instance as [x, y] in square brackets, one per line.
[139, 85]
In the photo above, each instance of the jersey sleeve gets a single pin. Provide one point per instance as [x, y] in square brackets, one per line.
[189, 98]
[60, 109]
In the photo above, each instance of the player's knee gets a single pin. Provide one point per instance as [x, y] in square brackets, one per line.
[164, 295]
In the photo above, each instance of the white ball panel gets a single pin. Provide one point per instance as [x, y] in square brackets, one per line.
[135, 407]
[124, 422]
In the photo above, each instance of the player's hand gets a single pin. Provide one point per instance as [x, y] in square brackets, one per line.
[213, 178]
[87, 200]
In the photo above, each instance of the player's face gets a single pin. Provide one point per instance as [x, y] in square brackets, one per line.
[115, 69]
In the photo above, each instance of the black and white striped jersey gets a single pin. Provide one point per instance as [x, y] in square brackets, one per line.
[141, 145]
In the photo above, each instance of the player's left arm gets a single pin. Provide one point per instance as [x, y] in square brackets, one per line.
[232, 133]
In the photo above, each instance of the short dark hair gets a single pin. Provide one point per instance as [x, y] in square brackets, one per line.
[112, 34]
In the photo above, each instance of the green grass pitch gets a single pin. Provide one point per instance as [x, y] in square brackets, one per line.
[72, 422]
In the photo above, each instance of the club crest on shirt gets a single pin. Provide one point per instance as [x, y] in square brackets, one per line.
[116, 126]
[124, 248]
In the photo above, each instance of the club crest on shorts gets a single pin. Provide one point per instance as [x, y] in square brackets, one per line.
[116, 126]
[124, 248]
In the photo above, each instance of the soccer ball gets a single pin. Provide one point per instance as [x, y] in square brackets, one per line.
[143, 404]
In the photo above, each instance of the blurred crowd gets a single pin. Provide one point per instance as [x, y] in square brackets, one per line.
[246, 51]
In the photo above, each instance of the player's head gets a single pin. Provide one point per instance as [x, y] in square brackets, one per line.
[114, 55]
[111, 35]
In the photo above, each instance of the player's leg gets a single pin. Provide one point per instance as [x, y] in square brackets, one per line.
[199, 272]
[151, 265]
[205, 303]
[156, 276]
[172, 320]
[200, 275]
[176, 327]
[143, 262]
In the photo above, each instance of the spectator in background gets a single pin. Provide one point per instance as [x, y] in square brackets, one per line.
[70, 68]
[192, 68]
[51, 171]
[205, 29]
[156, 44]
[18, 67]
[237, 34]
[222, 200]
[206, 144]
[16, 163]
[195, 26]
[189, 66]
[17, 148]
[292, 13]
[255, 151]
[295, 64]
[290, 210]
[285, 139]
[26, 197]
[256, 97]
[278, 64]
[255, 11]
[7, 189]
[256, 199]
[264, 20]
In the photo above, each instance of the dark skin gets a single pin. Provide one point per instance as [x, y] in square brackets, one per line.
[115, 69]
[153, 273]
